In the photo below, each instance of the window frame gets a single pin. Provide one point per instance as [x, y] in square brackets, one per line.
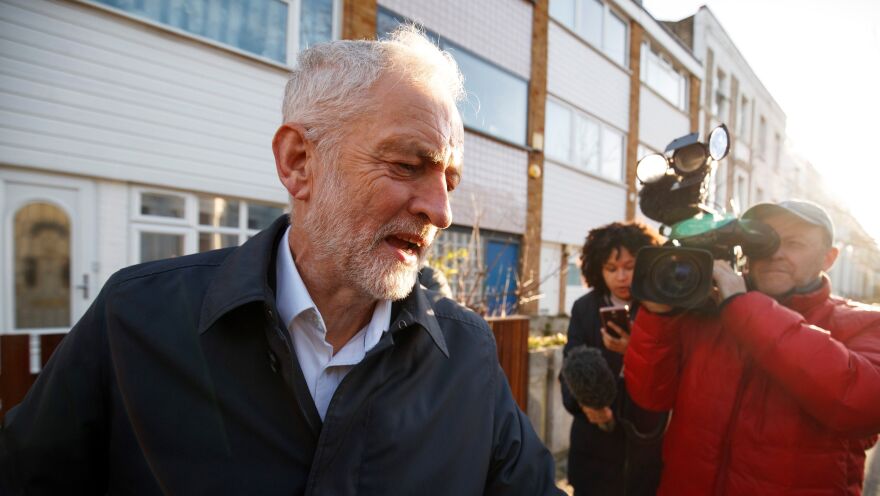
[447, 44]
[607, 11]
[603, 126]
[683, 90]
[189, 224]
[292, 34]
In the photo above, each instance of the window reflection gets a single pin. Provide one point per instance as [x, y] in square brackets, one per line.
[496, 101]
[156, 246]
[42, 267]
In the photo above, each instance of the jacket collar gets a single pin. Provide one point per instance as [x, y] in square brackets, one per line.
[802, 302]
[417, 309]
[243, 278]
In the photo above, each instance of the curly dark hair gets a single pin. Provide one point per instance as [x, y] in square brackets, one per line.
[603, 241]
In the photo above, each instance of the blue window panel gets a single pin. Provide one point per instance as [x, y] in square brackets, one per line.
[254, 26]
[496, 102]
[315, 23]
[502, 262]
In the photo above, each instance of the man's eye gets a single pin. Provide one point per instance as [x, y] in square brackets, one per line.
[408, 169]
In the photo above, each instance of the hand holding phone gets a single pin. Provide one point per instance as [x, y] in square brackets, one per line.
[619, 315]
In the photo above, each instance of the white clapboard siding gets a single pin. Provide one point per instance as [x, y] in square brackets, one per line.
[89, 92]
[493, 188]
[575, 202]
[659, 121]
[497, 30]
[580, 75]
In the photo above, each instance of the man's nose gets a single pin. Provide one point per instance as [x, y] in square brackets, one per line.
[431, 200]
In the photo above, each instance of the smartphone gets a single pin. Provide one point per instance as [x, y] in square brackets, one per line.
[618, 315]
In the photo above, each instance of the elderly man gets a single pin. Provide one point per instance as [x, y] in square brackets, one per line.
[780, 393]
[308, 360]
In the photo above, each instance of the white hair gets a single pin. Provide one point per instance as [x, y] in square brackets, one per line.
[329, 83]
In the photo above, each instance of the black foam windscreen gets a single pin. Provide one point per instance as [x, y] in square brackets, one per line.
[589, 378]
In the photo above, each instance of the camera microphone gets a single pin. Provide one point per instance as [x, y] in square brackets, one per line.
[590, 379]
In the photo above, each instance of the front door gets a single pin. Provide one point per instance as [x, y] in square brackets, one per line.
[48, 261]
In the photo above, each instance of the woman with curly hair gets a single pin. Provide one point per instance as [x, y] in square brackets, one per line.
[614, 450]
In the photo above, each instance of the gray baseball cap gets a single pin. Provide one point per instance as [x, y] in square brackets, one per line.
[804, 210]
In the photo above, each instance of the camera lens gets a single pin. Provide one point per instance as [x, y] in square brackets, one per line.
[676, 275]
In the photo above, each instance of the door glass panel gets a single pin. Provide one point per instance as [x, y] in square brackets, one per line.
[214, 241]
[218, 212]
[156, 246]
[42, 266]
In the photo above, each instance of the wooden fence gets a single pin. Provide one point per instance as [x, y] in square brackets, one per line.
[512, 339]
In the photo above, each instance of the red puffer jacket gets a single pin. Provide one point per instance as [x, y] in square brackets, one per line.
[766, 399]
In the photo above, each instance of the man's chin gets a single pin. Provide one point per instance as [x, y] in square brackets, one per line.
[774, 286]
[395, 283]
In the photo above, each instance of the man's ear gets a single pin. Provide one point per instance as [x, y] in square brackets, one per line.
[292, 160]
[830, 257]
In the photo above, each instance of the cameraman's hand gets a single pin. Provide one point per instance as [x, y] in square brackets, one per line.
[617, 345]
[598, 416]
[728, 282]
[658, 308]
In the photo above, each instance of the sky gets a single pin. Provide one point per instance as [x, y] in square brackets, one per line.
[820, 59]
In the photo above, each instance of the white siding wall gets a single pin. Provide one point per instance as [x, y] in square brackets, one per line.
[575, 202]
[498, 30]
[551, 257]
[113, 240]
[659, 121]
[578, 74]
[493, 186]
[88, 92]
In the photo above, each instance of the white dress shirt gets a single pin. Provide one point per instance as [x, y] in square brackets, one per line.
[323, 371]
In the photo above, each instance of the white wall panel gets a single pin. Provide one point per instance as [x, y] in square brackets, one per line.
[493, 189]
[113, 214]
[551, 258]
[498, 30]
[88, 92]
[575, 202]
[659, 121]
[578, 74]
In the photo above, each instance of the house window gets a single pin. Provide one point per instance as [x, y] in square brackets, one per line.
[581, 141]
[658, 73]
[496, 100]
[259, 27]
[777, 151]
[596, 23]
[743, 118]
[481, 267]
[762, 137]
[719, 103]
[196, 223]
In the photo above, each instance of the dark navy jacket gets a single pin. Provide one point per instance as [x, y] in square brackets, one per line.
[180, 379]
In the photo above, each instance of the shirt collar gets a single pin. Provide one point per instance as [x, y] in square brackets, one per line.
[292, 296]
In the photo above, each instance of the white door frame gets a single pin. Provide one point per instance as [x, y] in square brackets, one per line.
[83, 241]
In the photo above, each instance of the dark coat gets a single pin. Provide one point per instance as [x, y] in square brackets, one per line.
[627, 459]
[180, 379]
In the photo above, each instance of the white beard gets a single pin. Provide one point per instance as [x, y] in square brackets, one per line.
[354, 248]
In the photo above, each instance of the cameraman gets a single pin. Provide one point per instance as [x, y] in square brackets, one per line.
[777, 394]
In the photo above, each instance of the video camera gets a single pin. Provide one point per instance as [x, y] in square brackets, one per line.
[676, 187]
